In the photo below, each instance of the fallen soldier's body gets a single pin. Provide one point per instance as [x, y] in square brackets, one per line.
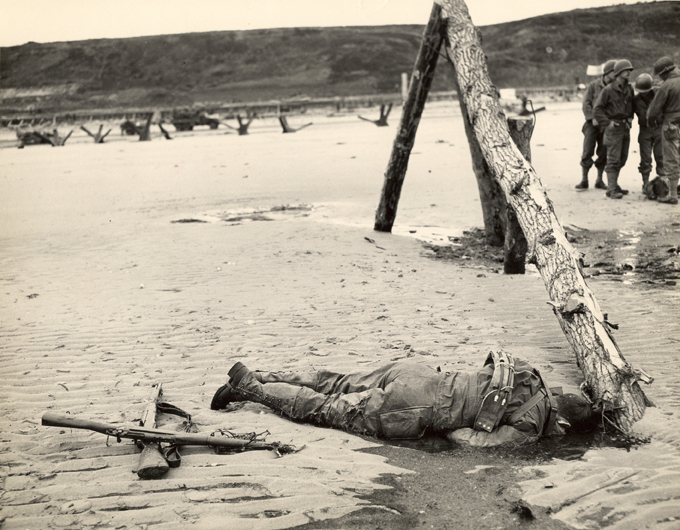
[504, 402]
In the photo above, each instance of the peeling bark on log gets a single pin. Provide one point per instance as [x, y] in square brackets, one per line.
[421, 81]
[609, 378]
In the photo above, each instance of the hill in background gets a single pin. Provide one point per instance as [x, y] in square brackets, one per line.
[233, 66]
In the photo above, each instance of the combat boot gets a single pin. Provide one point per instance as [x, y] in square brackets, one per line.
[645, 182]
[599, 183]
[279, 396]
[672, 197]
[228, 394]
[583, 185]
[612, 185]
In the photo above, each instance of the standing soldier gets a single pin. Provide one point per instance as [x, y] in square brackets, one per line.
[614, 112]
[592, 133]
[649, 137]
[665, 107]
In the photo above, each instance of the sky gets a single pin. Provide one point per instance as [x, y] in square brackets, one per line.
[22, 21]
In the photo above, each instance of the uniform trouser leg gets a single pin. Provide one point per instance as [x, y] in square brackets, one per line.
[617, 142]
[329, 382]
[592, 144]
[657, 150]
[396, 411]
[646, 144]
[671, 157]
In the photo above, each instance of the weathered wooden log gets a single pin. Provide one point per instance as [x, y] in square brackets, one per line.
[610, 380]
[421, 81]
[152, 464]
[491, 196]
[515, 244]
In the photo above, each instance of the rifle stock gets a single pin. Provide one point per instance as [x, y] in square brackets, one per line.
[152, 463]
[53, 419]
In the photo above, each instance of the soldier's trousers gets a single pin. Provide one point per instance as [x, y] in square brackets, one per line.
[593, 144]
[617, 142]
[393, 401]
[650, 144]
[671, 148]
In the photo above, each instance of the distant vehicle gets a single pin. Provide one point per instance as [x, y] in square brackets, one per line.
[186, 120]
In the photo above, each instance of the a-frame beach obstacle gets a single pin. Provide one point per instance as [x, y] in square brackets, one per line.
[610, 382]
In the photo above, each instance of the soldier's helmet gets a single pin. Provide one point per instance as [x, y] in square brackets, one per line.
[608, 66]
[643, 83]
[621, 66]
[663, 65]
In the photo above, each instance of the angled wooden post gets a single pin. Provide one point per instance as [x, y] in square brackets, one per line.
[610, 380]
[421, 81]
[515, 244]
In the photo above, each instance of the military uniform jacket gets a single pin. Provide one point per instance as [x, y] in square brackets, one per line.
[615, 103]
[592, 92]
[641, 104]
[460, 396]
[666, 103]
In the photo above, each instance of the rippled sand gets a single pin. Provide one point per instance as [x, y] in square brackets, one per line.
[104, 295]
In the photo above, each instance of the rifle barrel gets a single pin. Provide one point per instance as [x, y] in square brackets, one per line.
[53, 419]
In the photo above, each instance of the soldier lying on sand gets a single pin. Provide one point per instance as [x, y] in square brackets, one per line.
[504, 402]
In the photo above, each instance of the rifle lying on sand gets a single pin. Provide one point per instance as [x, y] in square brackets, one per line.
[219, 439]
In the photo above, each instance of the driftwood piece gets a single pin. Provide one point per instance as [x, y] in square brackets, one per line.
[610, 380]
[152, 464]
[283, 120]
[421, 81]
[384, 113]
[98, 137]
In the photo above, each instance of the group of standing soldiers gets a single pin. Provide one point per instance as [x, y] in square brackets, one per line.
[609, 106]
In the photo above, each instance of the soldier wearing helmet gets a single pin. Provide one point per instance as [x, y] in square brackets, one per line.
[649, 137]
[592, 134]
[665, 108]
[614, 112]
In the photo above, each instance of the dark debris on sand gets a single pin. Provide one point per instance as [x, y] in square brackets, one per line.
[651, 257]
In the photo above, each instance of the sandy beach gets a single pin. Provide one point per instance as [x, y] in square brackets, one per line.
[130, 263]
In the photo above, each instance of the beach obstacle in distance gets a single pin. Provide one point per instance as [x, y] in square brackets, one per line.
[611, 383]
[98, 137]
[38, 137]
[130, 128]
[283, 120]
[384, 113]
[165, 133]
[243, 125]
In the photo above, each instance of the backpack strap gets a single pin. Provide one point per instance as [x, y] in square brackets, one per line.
[501, 386]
